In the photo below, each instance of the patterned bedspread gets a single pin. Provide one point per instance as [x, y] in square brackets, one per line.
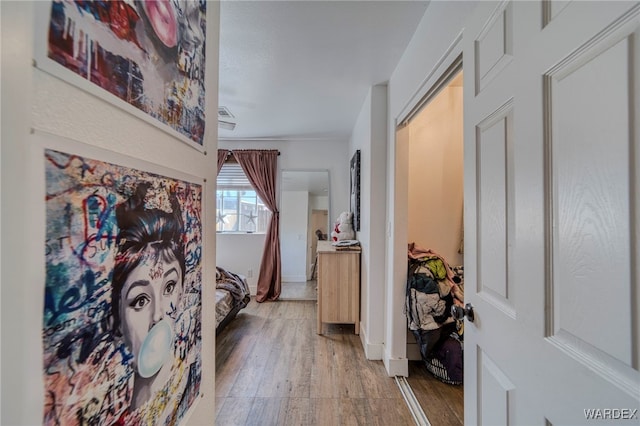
[232, 291]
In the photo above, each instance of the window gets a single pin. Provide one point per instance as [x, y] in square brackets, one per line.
[238, 207]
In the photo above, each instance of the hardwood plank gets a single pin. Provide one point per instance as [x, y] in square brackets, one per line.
[276, 382]
[234, 411]
[297, 413]
[256, 364]
[348, 384]
[232, 351]
[375, 381]
[302, 359]
[389, 411]
[324, 411]
[354, 411]
[266, 411]
[442, 403]
[323, 376]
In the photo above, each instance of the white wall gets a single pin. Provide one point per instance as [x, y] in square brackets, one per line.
[294, 227]
[241, 252]
[318, 202]
[32, 99]
[370, 137]
[436, 176]
[434, 46]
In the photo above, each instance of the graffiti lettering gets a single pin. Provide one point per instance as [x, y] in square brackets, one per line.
[89, 338]
[194, 254]
[115, 400]
[59, 327]
[71, 300]
[98, 312]
[83, 166]
[107, 180]
[95, 245]
[56, 244]
[188, 337]
[89, 415]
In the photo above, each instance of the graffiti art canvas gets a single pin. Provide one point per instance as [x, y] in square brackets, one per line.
[123, 294]
[147, 57]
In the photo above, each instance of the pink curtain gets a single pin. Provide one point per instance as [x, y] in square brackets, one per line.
[222, 157]
[260, 167]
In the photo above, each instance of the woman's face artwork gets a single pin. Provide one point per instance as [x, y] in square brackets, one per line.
[148, 307]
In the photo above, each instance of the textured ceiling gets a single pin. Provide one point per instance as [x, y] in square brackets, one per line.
[302, 69]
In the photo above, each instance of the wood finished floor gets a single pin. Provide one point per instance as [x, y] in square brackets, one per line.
[273, 369]
[442, 403]
[299, 291]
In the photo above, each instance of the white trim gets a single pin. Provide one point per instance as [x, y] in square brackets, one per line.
[400, 366]
[396, 366]
[294, 279]
[448, 57]
[372, 351]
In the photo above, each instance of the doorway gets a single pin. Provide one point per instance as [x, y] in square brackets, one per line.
[433, 138]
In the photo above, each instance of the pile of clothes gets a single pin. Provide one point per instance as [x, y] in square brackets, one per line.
[433, 287]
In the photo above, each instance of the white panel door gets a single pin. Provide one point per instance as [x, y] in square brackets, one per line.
[552, 212]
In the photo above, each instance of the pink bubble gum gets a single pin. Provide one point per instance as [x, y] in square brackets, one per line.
[162, 16]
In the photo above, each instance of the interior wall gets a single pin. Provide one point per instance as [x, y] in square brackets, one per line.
[240, 252]
[436, 176]
[433, 48]
[318, 202]
[32, 99]
[294, 216]
[370, 137]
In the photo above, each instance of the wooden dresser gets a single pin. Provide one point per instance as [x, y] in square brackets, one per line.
[338, 285]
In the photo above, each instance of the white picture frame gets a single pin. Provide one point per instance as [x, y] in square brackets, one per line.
[120, 59]
[74, 335]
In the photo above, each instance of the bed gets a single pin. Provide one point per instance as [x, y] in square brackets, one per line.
[232, 295]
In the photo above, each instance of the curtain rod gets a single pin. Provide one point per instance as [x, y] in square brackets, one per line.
[230, 152]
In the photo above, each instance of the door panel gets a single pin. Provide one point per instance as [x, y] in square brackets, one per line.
[591, 185]
[551, 212]
[494, 166]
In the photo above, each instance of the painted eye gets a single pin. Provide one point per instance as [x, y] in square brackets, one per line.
[140, 302]
[169, 287]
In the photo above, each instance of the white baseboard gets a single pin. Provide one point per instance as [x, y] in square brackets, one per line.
[294, 279]
[372, 351]
[396, 366]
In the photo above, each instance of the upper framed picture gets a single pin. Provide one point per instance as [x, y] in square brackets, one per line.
[354, 199]
[146, 57]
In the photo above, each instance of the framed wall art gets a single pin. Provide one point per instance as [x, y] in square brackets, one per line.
[354, 199]
[146, 57]
[122, 320]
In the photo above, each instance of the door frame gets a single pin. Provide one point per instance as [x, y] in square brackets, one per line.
[450, 63]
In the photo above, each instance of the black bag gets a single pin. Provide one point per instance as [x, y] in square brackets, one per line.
[447, 361]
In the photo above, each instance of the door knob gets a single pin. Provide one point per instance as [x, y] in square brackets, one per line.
[458, 312]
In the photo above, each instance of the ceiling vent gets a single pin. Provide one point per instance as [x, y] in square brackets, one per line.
[225, 118]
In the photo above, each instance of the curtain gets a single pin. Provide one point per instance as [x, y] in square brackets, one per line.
[222, 157]
[260, 167]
